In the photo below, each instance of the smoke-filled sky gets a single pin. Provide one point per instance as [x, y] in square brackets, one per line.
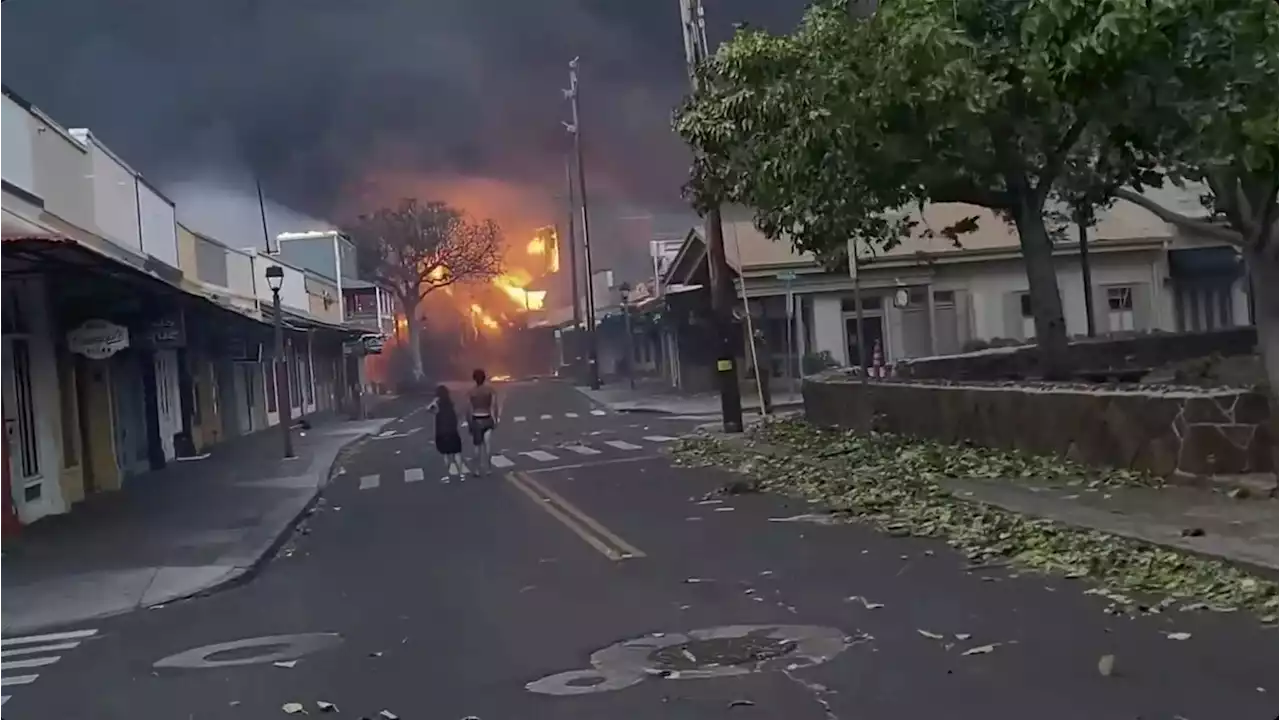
[339, 104]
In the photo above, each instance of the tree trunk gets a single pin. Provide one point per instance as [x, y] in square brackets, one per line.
[410, 309]
[1042, 281]
[1265, 299]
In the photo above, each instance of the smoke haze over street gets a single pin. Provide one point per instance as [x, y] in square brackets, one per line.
[340, 105]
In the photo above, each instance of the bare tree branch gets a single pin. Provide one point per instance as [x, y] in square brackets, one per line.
[417, 248]
[1203, 227]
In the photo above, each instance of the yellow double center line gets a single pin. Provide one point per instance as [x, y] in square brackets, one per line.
[582, 524]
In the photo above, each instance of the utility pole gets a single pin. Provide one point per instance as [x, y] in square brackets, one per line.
[575, 127]
[573, 246]
[722, 300]
[575, 348]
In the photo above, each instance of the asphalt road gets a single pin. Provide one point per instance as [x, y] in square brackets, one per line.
[447, 599]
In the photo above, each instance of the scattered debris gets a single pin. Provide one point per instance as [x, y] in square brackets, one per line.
[375, 654]
[688, 655]
[695, 581]
[293, 708]
[930, 635]
[741, 703]
[1193, 532]
[527, 588]
[980, 650]
[388, 715]
[1106, 665]
[963, 636]
[865, 602]
[724, 509]
[1178, 635]
[897, 484]
[285, 663]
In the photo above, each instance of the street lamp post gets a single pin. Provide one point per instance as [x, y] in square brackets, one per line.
[275, 278]
[624, 292]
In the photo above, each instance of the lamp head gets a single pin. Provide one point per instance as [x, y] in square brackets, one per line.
[275, 277]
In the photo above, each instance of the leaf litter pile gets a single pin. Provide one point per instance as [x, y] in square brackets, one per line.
[893, 483]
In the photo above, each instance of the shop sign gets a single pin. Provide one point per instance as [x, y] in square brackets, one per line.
[168, 332]
[98, 339]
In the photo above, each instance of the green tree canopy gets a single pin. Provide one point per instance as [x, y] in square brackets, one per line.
[831, 131]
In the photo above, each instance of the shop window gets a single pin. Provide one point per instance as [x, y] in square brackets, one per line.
[869, 302]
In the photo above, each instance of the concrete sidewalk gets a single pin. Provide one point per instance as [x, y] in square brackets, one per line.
[177, 532]
[655, 396]
[1242, 531]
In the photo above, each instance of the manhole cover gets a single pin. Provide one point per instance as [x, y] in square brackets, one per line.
[721, 651]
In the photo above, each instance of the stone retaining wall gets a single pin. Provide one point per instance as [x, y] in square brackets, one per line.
[1168, 432]
[1096, 355]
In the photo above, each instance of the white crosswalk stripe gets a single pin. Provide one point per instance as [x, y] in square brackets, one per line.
[540, 455]
[659, 438]
[34, 651]
[621, 445]
[582, 449]
[413, 475]
[369, 482]
[598, 412]
[500, 461]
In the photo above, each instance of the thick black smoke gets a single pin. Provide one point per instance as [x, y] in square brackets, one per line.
[314, 96]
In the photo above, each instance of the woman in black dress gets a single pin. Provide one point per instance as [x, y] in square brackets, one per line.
[448, 440]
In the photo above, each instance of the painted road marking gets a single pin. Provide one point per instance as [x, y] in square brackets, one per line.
[598, 412]
[659, 438]
[49, 637]
[576, 466]
[519, 418]
[575, 519]
[500, 461]
[275, 648]
[413, 475]
[571, 415]
[540, 455]
[621, 445]
[39, 649]
[369, 482]
[545, 417]
[582, 449]
[29, 663]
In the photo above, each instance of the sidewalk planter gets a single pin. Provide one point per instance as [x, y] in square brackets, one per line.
[1175, 433]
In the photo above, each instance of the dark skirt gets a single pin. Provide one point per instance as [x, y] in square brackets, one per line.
[449, 443]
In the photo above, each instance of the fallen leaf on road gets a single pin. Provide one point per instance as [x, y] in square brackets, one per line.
[285, 663]
[724, 509]
[710, 502]
[741, 703]
[326, 706]
[293, 709]
[963, 636]
[388, 715]
[865, 602]
[930, 635]
[688, 655]
[692, 518]
[694, 581]
[980, 650]
[375, 654]
[1106, 665]
[766, 573]
[527, 588]
[1178, 635]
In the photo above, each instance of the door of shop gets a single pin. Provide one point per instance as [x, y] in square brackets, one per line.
[27, 471]
[128, 408]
